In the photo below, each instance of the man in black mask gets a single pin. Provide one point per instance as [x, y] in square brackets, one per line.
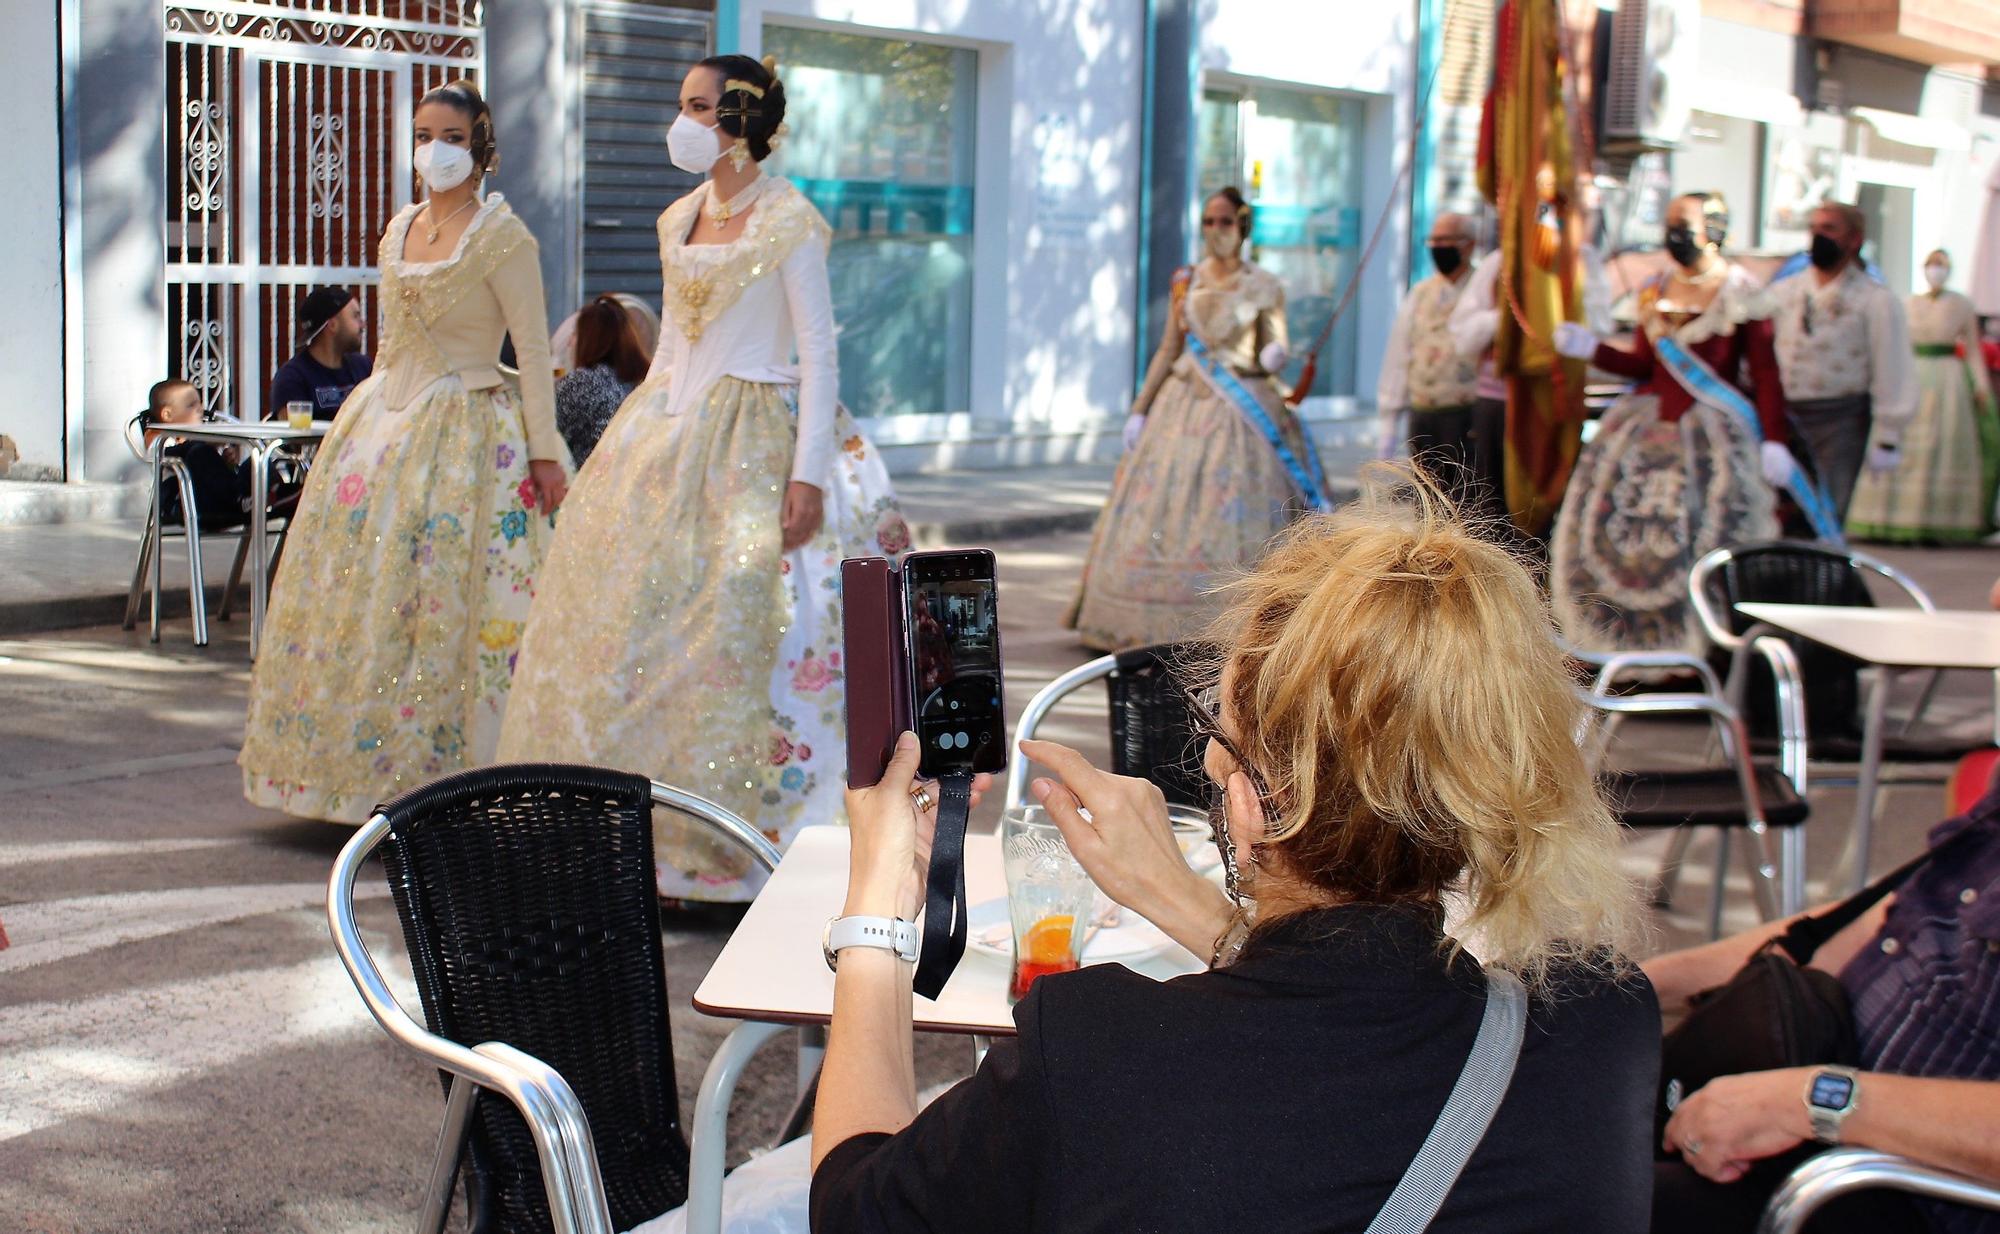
[1423, 373]
[1844, 354]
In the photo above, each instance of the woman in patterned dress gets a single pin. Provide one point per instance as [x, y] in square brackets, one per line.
[1219, 464]
[689, 624]
[1941, 489]
[394, 622]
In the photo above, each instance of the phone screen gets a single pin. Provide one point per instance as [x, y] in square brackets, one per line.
[954, 633]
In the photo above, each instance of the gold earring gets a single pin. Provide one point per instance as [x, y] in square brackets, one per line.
[739, 154]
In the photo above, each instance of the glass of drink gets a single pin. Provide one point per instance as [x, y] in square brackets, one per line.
[299, 414]
[1049, 897]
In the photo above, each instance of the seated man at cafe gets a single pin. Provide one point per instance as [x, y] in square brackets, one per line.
[1922, 972]
[328, 364]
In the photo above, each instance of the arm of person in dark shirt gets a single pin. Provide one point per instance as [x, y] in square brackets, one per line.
[1738, 1120]
[1679, 975]
[1760, 355]
[1637, 363]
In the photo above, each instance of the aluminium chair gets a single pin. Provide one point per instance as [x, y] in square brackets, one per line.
[1840, 1171]
[1768, 801]
[527, 901]
[1152, 734]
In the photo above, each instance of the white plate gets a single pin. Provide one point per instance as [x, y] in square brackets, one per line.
[1134, 938]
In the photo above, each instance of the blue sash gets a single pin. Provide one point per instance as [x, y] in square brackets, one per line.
[1702, 381]
[1307, 475]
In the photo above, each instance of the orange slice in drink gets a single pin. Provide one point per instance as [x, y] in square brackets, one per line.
[1047, 941]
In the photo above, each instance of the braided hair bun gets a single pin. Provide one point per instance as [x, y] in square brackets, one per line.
[752, 103]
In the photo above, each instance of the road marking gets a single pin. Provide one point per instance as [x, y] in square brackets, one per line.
[51, 930]
[70, 1059]
[123, 769]
[54, 851]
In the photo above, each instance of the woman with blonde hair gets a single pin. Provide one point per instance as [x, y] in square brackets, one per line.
[1393, 731]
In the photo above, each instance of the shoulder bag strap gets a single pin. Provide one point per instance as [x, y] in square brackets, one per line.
[1808, 934]
[1467, 1113]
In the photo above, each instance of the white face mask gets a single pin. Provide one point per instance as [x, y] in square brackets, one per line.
[1221, 242]
[443, 165]
[692, 146]
[1937, 275]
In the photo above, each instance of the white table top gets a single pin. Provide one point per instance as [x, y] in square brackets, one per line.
[771, 968]
[245, 430]
[1894, 637]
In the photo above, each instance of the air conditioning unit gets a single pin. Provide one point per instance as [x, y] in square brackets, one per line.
[1649, 83]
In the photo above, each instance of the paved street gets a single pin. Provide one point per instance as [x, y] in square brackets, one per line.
[179, 1050]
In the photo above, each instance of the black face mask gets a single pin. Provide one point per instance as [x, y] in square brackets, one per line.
[1826, 252]
[1446, 258]
[1682, 246]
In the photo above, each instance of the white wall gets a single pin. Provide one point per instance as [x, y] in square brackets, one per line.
[1053, 303]
[31, 313]
[1359, 49]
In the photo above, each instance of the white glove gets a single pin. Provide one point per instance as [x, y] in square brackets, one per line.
[1884, 456]
[1575, 341]
[1391, 442]
[1778, 464]
[1274, 357]
[1134, 425]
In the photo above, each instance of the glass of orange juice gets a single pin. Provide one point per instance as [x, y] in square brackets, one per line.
[1049, 897]
[299, 414]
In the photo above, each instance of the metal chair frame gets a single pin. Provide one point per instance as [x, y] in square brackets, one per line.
[152, 545]
[550, 1107]
[1038, 709]
[1841, 1171]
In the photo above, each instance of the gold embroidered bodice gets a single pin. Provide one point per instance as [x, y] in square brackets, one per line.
[702, 281]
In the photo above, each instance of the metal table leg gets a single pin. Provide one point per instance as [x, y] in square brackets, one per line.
[156, 453]
[709, 1132]
[260, 490]
[1861, 840]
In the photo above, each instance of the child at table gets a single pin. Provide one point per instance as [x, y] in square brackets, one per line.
[221, 485]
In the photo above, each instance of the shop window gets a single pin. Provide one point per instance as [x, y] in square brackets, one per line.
[882, 139]
[1296, 154]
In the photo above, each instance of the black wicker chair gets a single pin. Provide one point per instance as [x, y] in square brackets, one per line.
[527, 900]
[1152, 735]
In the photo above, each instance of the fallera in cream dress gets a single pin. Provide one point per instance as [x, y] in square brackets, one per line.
[398, 610]
[673, 636]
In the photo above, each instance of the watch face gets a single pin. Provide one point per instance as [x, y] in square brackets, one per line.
[1831, 1091]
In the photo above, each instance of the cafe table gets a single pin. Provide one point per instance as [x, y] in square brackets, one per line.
[771, 975]
[258, 438]
[1891, 640]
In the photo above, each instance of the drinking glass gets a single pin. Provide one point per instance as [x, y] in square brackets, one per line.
[299, 414]
[1049, 897]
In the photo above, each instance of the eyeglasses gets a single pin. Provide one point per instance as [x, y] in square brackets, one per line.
[1205, 712]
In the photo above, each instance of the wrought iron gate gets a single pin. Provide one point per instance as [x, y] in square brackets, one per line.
[288, 138]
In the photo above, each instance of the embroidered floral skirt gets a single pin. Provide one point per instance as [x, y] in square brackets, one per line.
[398, 606]
[1647, 499]
[1942, 488]
[674, 638]
[1193, 504]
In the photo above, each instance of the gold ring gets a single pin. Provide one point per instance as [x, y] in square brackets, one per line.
[920, 797]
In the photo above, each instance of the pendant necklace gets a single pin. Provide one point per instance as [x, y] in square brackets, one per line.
[431, 229]
[720, 213]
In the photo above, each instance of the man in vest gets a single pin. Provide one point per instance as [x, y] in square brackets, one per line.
[1424, 375]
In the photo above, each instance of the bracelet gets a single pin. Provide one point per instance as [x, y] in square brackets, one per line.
[1229, 943]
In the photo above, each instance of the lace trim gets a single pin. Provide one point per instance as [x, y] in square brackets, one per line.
[1738, 300]
[399, 231]
[702, 281]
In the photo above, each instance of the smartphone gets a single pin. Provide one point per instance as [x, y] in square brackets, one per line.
[951, 631]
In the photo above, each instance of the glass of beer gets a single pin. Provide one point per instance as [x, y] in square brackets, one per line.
[299, 414]
[1049, 897]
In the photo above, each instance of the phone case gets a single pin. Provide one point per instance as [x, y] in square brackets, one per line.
[878, 703]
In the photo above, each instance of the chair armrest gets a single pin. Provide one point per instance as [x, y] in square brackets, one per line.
[1038, 709]
[1612, 668]
[732, 825]
[1843, 1170]
[1791, 688]
[554, 1115]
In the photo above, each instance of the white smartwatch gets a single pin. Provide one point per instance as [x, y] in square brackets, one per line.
[1831, 1095]
[888, 933]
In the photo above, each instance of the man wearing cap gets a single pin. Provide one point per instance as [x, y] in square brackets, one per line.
[329, 362]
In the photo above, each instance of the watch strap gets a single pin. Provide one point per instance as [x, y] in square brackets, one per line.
[887, 933]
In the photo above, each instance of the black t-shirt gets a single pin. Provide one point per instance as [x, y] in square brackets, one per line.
[1285, 1094]
[303, 378]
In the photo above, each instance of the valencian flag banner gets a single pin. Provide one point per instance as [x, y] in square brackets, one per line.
[1527, 170]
